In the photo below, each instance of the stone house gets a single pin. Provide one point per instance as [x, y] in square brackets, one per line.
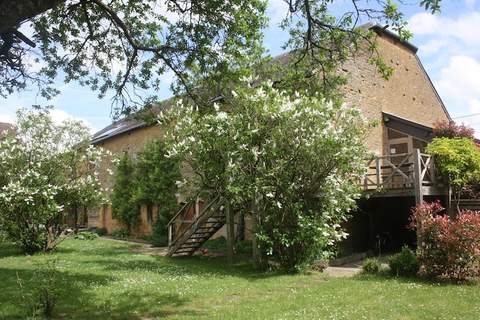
[406, 106]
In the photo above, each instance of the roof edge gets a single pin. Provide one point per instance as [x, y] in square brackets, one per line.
[434, 89]
[379, 29]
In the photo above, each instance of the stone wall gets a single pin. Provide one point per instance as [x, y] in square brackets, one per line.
[131, 142]
[408, 94]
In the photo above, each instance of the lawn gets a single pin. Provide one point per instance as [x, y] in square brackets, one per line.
[103, 279]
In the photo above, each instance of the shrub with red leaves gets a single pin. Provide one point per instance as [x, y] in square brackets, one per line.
[449, 129]
[448, 247]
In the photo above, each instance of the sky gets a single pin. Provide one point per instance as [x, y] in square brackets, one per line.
[449, 48]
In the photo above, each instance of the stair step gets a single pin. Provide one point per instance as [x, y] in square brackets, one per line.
[186, 250]
[190, 248]
[193, 241]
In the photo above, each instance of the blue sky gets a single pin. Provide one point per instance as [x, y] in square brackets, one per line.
[449, 47]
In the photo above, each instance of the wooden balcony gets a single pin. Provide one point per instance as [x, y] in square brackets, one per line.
[407, 174]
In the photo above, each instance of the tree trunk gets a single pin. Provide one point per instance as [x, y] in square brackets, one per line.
[75, 218]
[230, 233]
[240, 236]
[13, 12]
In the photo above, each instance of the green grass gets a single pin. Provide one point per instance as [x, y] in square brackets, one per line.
[103, 279]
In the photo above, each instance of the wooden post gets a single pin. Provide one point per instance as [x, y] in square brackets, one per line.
[417, 173]
[449, 201]
[378, 169]
[230, 233]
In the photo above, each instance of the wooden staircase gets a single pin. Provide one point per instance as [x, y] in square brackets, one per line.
[190, 228]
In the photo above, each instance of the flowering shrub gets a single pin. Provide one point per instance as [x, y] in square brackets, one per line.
[290, 163]
[449, 129]
[45, 170]
[447, 247]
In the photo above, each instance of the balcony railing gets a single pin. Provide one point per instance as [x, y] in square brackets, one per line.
[405, 171]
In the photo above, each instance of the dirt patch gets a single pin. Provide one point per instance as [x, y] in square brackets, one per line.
[143, 247]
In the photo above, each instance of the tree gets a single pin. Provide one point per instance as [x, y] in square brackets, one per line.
[156, 184]
[290, 163]
[127, 45]
[44, 169]
[450, 129]
[457, 159]
[124, 207]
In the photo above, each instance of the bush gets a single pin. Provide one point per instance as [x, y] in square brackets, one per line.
[99, 231]
[458, 160]
[159, 237]
[404, 263]
[449, 129]
[448, 247]
[86, 235]
[371, 266]
[120, 234]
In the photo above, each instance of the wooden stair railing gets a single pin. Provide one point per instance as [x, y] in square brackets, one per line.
[187, 236]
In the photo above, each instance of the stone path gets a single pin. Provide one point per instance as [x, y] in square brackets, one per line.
[339, 272]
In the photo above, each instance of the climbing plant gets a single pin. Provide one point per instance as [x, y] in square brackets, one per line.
[156, 177]
[124, 206]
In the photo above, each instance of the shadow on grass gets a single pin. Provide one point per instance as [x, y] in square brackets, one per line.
[385, 275]
[9, 250]
[75, 299]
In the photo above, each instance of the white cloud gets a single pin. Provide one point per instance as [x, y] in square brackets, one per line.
[6, 118]
[423, 23]
[464, 28]
[460, 78]
[7, 114]
[58, 116]
[433, 46]
[276, 11]
[451, 46]
[459, 86]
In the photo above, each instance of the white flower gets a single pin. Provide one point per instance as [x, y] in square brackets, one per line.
[222, 115]
[269, 195]
[279, 205]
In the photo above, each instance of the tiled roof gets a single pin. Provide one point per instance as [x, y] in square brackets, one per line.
[130, 123]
